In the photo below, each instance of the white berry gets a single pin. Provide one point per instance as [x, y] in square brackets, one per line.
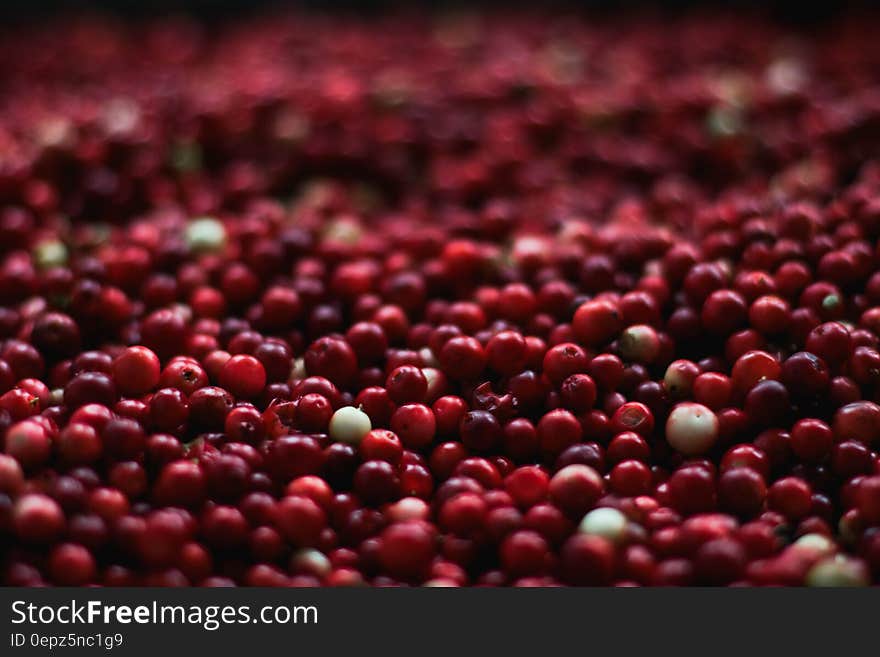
[605, 522]
[349, 425]
[815, 542]
[838, 571]
[205, 234]
[311, 561]
[691, 428]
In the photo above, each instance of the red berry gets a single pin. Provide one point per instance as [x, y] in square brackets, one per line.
[136, 371]
[300, 520]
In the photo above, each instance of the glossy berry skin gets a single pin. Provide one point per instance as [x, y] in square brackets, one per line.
[587, 560]
[868, 499]
[811, 440]
[406, 384]
[406, 548]
[479, 430]
[524, 553]
[243, 376]
[514, 310]
[527, 485]
[857, 421]
[506, 352]
[414, 424]
[691, 429]
[463, 358]
[72, 565]
[596, 322]
[639, 343]
[692, 490]
[805, 375]
[78, 444]
[633, 416]
[680, 377]
[136, 371]
[376, 482]
[558, 430]
[753, 367]
[331, 358]
[741, 491]
[28, 443]
[575, 489]
[349, 425]
[578, 393]
[791, 497]
[300, 520]
[37, 518]
[564, 360]
[831, 342]
[630, 478]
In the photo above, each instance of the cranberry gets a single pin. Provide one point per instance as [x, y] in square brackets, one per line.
[11, 475]
[375, 402]
[89, 388]
[575, 489]
[243, 376]
[564, 360]
[587, 560]
[299, 520]
[713, 390]
[136, 371]
[506, 352]
[527, 485]
[313, 413]
[383, 445]
[180, 483]
[406, 549]
[753, 367]
[692, 489]
[376, 482]
[557, 430]
[663, 370]
[692, 428]
[37, 518]
[480, 430]
[633, 416]
[811, 439]
[448, 411]
[578, 393]
[524, 553]
[332, 358]
[627, 445]
[293, 456]
[29, 443]
[768, 404]
[639, 343]
[597, 322]
[805, 374]
[406, 384]
[720, 561]
[857, 421]
[463, 358]
[208, 408]
[415, 425]
[742, 491]
[71, 565]
[630, 478]
[724, 311]
[831, 342]
[791, 497]
[770, 314]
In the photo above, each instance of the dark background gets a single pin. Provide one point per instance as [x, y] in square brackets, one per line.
[786, 10]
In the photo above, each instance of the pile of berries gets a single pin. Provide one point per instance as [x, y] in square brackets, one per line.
[462, 300]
